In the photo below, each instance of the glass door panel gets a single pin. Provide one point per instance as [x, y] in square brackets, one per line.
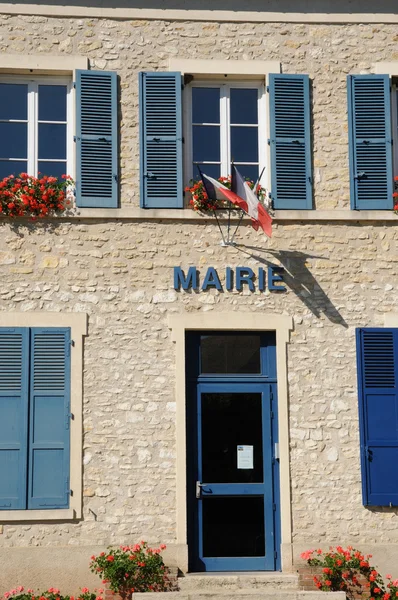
[230, 354]
[232, 449]
[233, 526]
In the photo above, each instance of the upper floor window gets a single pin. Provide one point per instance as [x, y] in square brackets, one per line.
[372, 120]
[225, 120]
[224, 123]
[36, 129]
[51, 127]
[394, 115]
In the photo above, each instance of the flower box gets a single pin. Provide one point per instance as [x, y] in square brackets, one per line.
[36, 197]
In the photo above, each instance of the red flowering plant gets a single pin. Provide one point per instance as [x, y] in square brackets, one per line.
[348, 571]
[52, 593]
[19, 593]
[136, 568]
[27, 196]
[200, 201]
[392, 588]
[395, 195]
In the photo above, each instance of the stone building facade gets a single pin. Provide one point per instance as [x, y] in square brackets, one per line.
[108, 274]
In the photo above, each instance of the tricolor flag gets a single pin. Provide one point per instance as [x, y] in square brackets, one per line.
[217, 191]
[241, 195]
[254, 208]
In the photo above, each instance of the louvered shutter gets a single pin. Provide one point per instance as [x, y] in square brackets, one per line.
[96, 139]
[14, 369]
[161, 140]
[377, 352]
[49, 419]
[370, 142]
[290, 140]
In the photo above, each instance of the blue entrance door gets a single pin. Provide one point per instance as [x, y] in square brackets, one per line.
[235, 496]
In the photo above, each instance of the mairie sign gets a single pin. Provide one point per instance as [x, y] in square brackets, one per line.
[233, 279]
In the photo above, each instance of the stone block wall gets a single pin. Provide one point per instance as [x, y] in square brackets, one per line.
[339, 276]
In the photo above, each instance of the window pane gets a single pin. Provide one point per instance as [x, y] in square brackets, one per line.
[52, 141]
[244, 106]
[52, 169]
[12, 167]
[229, 421]
[13, 101]
[233, 526]
[244, 144]
[205, 105]
[52, 102]
[230, 353]
[211, 170]
[13, 140]
[250, 171]
[206, 143]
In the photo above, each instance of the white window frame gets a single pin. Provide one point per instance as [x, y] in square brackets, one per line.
[33, 84]
[225, 141]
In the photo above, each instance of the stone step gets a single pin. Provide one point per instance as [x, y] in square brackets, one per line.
[202, 582]
[241, 594]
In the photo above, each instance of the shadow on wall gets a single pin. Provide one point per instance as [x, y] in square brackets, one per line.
[287, 6]
[299, 280]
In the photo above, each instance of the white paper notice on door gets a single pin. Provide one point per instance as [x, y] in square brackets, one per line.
[245, 457]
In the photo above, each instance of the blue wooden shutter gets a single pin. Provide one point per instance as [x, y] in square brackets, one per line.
[378, 415]
[161, 140]
[370, 142]
[14, 370]
[49, 419]
[96, 139]
[290, 140]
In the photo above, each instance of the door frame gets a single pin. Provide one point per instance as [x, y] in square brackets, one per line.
[232, 321]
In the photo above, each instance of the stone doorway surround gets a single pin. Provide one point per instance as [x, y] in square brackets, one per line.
[232, 321]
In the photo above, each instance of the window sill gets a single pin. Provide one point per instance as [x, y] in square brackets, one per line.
[176, 215]
[67, 514]
[335, 215]
[189, 215]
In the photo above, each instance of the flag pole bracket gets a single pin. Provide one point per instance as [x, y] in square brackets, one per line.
[227, 239]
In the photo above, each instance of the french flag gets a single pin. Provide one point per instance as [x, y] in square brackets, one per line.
[254, 208]
[217, 191]
[241, 195]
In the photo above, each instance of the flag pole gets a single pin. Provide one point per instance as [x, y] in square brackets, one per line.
[237, 227]
[258, 181]
[229, 221]
[229, 205]
[224, 243]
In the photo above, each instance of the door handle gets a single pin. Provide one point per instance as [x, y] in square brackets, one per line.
[199, 485]
[276, 451]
